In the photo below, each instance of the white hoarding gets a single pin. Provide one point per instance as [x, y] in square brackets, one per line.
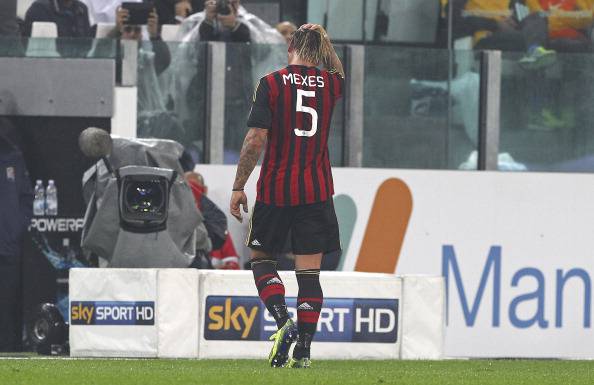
[113, 313]
[177, 293]
[515, 249]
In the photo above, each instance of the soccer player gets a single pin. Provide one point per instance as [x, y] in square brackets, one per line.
[291, 116]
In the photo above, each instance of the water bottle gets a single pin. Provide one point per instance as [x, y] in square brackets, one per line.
[39, 200]
[51, 199]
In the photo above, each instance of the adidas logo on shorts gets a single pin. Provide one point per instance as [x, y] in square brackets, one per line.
[273, 280]
[256, 243]
[305, 306]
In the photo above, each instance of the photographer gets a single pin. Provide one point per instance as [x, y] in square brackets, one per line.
[221, 22]
[126, 31]
[154, 120]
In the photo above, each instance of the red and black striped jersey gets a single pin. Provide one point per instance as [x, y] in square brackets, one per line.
[295, 105]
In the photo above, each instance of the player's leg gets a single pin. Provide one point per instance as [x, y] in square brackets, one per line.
[269, 227]
[314, 232]
[270, 286]
[309, 305]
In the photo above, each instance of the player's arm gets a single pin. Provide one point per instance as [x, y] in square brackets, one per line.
[260, 121]
[332, 62]
[253, 145]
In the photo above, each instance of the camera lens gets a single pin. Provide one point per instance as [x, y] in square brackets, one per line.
[223, 7]
[145, 197]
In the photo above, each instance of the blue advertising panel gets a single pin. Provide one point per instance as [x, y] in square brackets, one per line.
[341, 319]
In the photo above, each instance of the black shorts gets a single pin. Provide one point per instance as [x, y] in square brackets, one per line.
[313, 228]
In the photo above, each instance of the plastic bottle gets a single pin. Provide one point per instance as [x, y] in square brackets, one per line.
[51, 199]
[39, 200]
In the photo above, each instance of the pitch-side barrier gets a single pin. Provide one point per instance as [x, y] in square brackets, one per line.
[173, 313]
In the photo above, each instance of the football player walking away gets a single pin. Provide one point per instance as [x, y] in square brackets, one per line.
[291, 115]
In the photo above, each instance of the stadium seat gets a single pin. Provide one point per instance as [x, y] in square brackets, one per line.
[104, 29]
[43, 40]
[44, 29]
[169, 32]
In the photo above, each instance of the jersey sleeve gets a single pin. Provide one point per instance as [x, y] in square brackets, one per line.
[261, 113]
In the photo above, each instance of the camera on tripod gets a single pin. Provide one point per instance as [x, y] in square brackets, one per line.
[140, 212]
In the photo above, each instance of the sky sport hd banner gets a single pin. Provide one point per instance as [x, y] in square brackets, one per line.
[112, 313]
[238, 318]
[361, 317]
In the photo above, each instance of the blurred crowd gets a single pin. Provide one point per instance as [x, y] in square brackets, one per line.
[537, 27]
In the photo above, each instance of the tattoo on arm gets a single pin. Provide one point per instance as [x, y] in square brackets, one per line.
[250, 153]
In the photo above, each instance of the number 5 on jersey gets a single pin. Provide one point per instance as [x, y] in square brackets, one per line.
[308, 110]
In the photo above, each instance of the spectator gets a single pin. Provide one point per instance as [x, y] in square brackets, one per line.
[162, 57]
[16, 207]
[72, 19]
[493, 25]
[568, 23]
[70, 16]
[223, 255]
[286, 28]
[154, 120]
[8, 19]
[223, 27]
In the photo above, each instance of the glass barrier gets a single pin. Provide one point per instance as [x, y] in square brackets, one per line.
[172, 93]
[58, 48]
[547, 114]
[246, 64]
[377, 21]
[409, 120]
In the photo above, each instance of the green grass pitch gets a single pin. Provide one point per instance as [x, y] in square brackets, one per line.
[238, 372]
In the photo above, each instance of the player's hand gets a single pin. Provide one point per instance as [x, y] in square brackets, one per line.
[314, 27]
[210, 9]
[229, 21]
[237, 200]
[153, 24]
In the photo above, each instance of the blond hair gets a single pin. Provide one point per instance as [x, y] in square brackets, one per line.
[312, 45]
